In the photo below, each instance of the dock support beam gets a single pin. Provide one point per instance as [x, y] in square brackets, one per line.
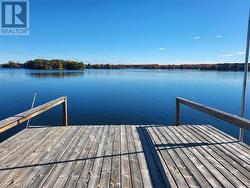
[65, 112]
[177, 121]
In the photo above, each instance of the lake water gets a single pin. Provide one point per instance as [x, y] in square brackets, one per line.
[122, 96]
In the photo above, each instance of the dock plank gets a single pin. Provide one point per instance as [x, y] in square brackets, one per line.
[209, 162]
[125, 166]
[10, 166]
[115, 179]
[141, 158]
[163, 153]
[235, 173]
[189, 150]
[242, 146]
[9, 153]
[86, 170]
[76, 171]
[237, 146]
[64, 160]
[26, 167]
[17, 140]
[62, 178]
[196, 168]
[124, 156]
[106, 167]
[133, 160]
[49, 160]
[97, 165]
[160, 172]
[224, 148]
[181, 165]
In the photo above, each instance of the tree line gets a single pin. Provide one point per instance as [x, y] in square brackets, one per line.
[75, 65]
[46, 64]
[218, 66]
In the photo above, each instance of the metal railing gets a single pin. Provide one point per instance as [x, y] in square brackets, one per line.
[24, 116]
[227, 117]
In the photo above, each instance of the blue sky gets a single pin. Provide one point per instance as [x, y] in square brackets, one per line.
[133, 31]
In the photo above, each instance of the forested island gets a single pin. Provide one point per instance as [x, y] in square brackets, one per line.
[56, 64]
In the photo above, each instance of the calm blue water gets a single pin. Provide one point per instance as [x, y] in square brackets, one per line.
[122, 96]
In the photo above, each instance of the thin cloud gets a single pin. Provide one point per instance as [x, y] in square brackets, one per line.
[197, 62]
[196, 38]
[233, 54]
[75, 59]
[162, 49]
[227, 55]
[240, 53]
[218, 36]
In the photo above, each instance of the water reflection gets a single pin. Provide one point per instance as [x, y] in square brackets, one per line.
[127, 96]
[55, 74]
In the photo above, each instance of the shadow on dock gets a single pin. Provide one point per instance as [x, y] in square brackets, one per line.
[165, 156]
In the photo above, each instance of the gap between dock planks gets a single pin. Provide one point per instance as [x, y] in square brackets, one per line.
[124, 156]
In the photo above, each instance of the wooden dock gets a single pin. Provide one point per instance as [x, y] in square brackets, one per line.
[124, 156]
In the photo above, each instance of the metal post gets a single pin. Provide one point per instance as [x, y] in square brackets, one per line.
[177, 122]
[32, 106]
[65, 112]
[243, 104]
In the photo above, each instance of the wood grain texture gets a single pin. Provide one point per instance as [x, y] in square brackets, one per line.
[230, 118]
[124, 156]
[24, 116]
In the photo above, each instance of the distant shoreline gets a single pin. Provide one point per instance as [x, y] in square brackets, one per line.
[42, 64]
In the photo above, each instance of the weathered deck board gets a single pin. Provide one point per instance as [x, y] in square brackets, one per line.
[125, 172]
[124, 156]
[94, 176]
[141, 158]
[226, 165]
[79, 164]
[190, 161]
[164, 153]
[115, 180]
[50, 159]
[86, 171]
[107, 161]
